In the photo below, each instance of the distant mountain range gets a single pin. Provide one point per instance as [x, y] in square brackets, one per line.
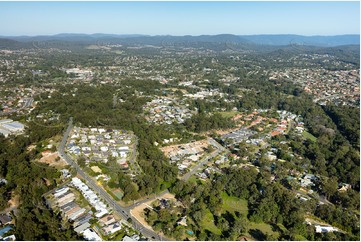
[222, 42]
[350, 39]
[272, 40]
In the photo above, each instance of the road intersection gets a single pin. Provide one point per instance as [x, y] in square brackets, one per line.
[124, 212]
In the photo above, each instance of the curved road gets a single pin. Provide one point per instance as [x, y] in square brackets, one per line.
[123, 211]
[205, 160]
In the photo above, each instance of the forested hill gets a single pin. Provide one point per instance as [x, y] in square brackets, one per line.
[272, 40]
[290, 39]
[13, 44]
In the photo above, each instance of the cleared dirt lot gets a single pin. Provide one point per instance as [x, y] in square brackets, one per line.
[51, 160]
[198, 146]
[138, 213]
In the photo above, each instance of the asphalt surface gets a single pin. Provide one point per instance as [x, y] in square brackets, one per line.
[124, 212]
[28, 102]
[137, 203]
[205, 160]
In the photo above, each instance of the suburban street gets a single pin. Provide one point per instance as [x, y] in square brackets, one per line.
[28, 102]
[200, 164]
[122, 211]
[204, 161]
[137, 203]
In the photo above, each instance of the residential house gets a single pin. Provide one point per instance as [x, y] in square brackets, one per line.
[91, 235]
[112, 228]
[324, 229]
[183, 221]
[5, 219]
[106, 220]
[82, 227]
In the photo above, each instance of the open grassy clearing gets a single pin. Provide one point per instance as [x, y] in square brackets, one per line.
[264, 228]
[229, 114]
[307, 135]
[208, 223]
[234, 204]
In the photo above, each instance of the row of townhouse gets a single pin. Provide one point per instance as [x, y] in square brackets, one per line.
[91, 197]
[66, 202]
[71, 210]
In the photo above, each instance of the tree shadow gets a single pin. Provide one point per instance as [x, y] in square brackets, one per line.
[275, 227]
[229, 217]
[257, 234]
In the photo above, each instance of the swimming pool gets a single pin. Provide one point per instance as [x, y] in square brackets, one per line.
[5, 229]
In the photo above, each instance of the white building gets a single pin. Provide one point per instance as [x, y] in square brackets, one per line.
[5, 121]
[132, 238]
[5, 132]
[123, 154]
[61, 192]
[8, 126]
[14, 126]
[324, 229]
[123, 148]
[112, 228]
[91, 235]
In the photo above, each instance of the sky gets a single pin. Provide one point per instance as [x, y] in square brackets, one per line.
[180, 18]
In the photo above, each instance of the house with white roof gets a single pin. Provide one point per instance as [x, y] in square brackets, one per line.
[324, 229]
[91, 235]
[112, 228]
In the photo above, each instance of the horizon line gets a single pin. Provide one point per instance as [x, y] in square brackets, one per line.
[156, 35]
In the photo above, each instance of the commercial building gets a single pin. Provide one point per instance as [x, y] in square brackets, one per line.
[8, 127]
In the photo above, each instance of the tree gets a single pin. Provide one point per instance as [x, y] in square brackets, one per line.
[81, 162]
[329, 186]
[240, 226]
[271, 236]
[223, 224]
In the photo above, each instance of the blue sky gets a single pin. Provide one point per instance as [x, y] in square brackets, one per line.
[180, 18]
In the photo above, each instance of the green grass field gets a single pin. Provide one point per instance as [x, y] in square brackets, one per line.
[307, 135]
[208, 223]
[263, 227]
[193, 179]
[228, 114]
[118, 193]
[166, 185]
[111, 193]
[300, 238]
[234, 204]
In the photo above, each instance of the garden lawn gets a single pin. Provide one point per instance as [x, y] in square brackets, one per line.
[234, 204]
[208, 223]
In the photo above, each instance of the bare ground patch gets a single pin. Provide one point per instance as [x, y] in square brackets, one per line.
[53, 159]
[138, 212]
[31, 147]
